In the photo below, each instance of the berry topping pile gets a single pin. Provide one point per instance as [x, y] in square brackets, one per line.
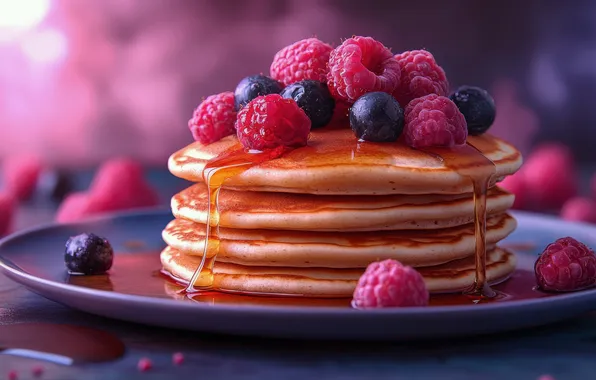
[477, 106]
[271, 121]
[566, 265]
[214, 118]
[388, 283]
[253, 86]
[434, 121]
[303, 60]
[378, 117]
[314, 98]
[361, 65]
[88, 254]
[328, 83]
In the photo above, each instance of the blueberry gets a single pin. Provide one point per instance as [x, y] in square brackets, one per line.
[88, 254]
[477, 106]
[253, 86]
[54, 185]
[377, 117]
[314, 98]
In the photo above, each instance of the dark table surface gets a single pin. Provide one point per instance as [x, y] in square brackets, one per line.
[566, 350]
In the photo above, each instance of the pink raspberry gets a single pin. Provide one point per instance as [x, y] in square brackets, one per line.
[214, 118]
[434, 120]
[420, 76]
[302, 60]
[550, 176]
[271, 121]
[390, 284]
[566, 265]
[579, 209]
[361, 65]
[7, 211]
[120, 184]
[13, 375]
[21, 174]
[37, 370]
[178, 358]
[144, 364]
[75, 206]
[515, 184]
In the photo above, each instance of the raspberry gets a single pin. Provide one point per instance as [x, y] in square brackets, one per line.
[420, 76]
[341, 112]
[579, 209]
[144, 364]
[37, 370]
[550, 176]
[434, 120]
[20, 175]
[305, 59]
[566, 265]
[120, 184]
[271, 121]
[75, 206]
[178, 358]
[361, 65]
[390, 284]
[214, 118]
[13, 375]
[7, 210]
[515, 185]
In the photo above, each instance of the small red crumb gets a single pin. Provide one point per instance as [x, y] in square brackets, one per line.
[178, 358]
[13, 375]
[37, 370]
[144, 365]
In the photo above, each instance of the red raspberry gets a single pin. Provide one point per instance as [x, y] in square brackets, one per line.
[144, 364]
[178, 358]
[390, 284]
[75, 206]
[361, 65]
[20, 175]
[7, 211]
[305, 59]
[566, 265]
[271, 121]
[515, 185]
[13, 375]
[214, 118]
[420, 76]
[579, 209]
[550, 175]
[37, 370]
[434, 121]
[120, 184]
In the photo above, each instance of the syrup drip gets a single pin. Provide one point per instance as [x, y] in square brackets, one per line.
[480, 171]
[215, 173]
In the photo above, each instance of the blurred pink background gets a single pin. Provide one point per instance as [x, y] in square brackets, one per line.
[83, 80]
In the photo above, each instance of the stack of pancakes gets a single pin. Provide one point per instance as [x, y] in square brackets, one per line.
[308, 223]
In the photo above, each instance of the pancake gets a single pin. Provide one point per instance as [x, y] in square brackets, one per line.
[327, 282]
[285, 211]
[334, 162]
[333, 249]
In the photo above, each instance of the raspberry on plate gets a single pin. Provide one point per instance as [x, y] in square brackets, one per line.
[420, 76]
[566, 265]
[434, 120]
[360, 65]
[388, 283]
[271, 121]
[21, 174]
[303, 60]
[579, 209]
[214, 118]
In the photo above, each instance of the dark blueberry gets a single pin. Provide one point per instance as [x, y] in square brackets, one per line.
[377, 117]
[253, 86]
[54, 185]
[314, 98]
[477, 106]
[88, 254]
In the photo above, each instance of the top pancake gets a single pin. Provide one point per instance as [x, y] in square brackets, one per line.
[335, 162]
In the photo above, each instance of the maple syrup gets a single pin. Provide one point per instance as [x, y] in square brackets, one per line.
[215, 173]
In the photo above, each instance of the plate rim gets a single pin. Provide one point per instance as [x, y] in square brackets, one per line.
[18, 275]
